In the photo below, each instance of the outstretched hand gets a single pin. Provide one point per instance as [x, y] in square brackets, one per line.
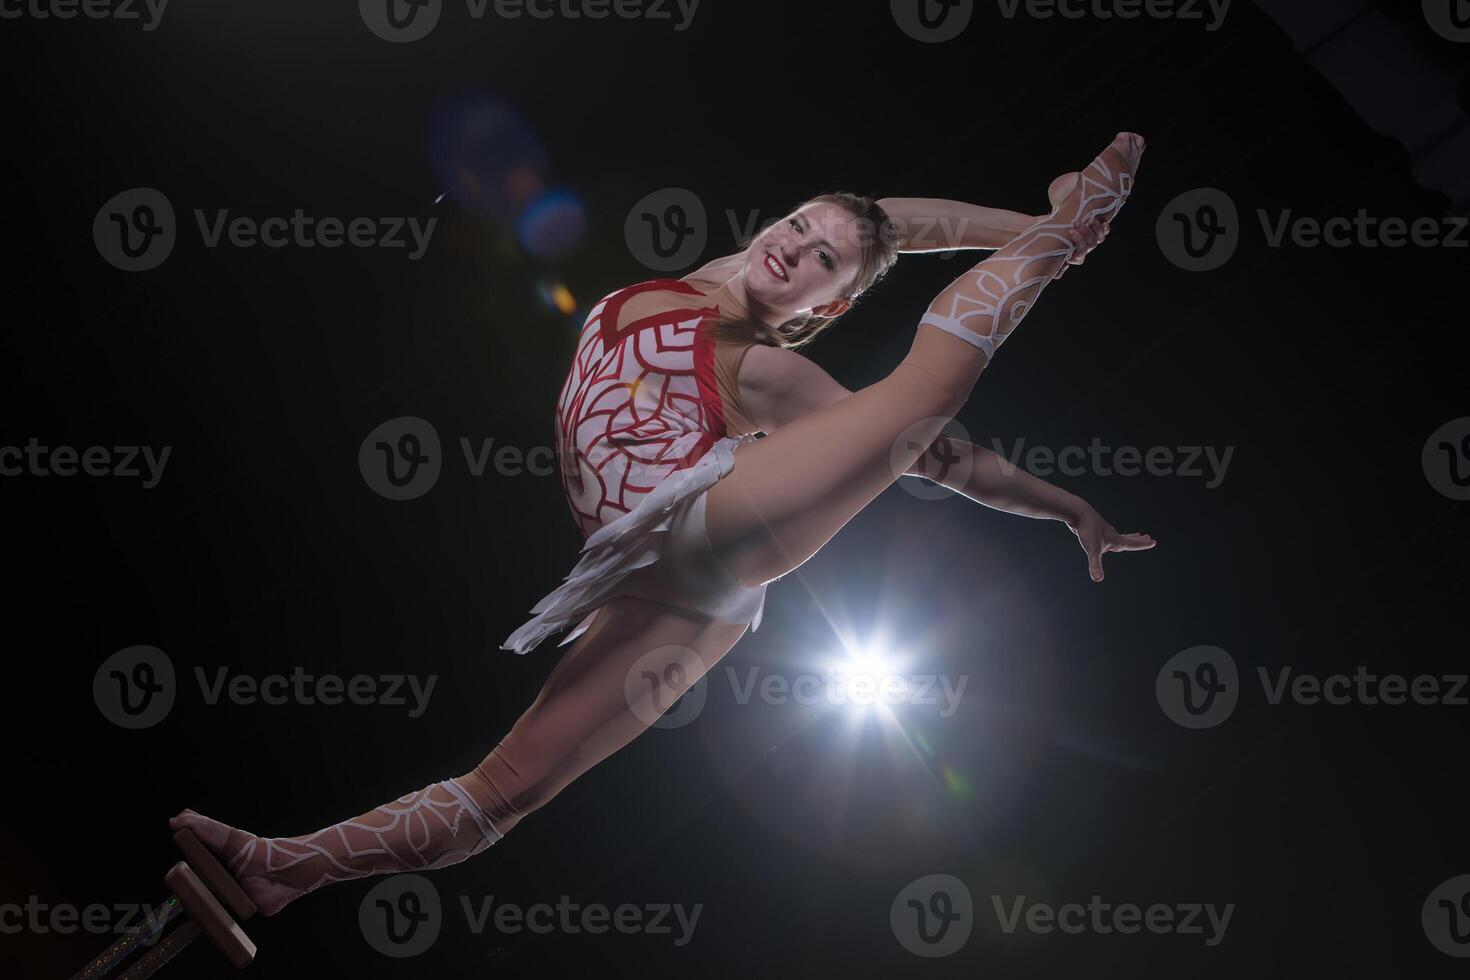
[1098, 537]
[1085, 236]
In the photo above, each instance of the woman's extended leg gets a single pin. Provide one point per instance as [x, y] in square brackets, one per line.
[792, 491]
[635, 660]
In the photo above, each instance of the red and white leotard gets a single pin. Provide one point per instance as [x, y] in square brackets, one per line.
[640, 402]
[641, 434]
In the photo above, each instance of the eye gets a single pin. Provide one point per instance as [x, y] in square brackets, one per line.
[826, 259]
[796, 225]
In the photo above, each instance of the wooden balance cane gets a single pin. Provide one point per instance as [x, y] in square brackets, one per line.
[210, 902]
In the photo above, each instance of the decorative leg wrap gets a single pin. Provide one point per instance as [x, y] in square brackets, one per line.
[983, 311]
[433, 827]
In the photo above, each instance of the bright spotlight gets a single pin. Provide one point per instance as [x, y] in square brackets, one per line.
[869, 677]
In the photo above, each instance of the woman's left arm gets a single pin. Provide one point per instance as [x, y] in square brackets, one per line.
[987, 478]
[929, 224]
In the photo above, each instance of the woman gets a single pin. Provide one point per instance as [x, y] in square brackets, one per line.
[686, 523]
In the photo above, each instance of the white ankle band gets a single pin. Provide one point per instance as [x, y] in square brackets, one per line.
[951, 325]
[466, 801]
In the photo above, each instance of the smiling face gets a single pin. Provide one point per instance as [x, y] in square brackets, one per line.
[805, 262]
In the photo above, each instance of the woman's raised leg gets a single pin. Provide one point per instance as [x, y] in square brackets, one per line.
[791, 492]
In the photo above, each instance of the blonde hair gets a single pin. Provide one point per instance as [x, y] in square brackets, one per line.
[879, 253]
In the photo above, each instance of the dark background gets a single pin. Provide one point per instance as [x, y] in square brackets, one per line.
[262, 548]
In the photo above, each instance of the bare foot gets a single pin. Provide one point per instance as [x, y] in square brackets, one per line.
[243, 854]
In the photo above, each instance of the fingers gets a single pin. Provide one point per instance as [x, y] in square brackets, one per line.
[1131, 542]
[1094, 565]
[1085, 236]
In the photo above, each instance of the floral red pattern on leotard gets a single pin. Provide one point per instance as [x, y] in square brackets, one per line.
[639, 403]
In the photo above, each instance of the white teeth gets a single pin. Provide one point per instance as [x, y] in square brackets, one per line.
[775, 267]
